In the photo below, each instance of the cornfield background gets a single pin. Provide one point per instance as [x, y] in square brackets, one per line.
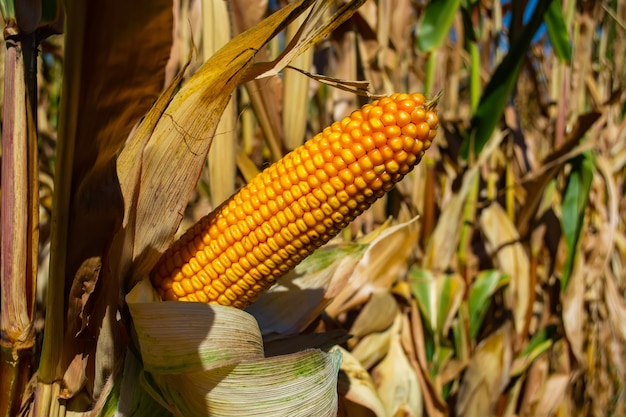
[490, 281]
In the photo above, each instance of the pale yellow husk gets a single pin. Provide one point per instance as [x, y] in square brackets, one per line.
[204, 360]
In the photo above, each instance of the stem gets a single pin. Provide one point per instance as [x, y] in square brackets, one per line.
[431, 66]
[467, 228]
[474, 75]
[19, 217]
[428, 211]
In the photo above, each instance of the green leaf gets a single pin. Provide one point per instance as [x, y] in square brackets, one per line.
[500, 86]
[131, 394]
[436, 23]
[539, 344]
[575, 199]
[549, 333]
[420, 279]
[438, 298]
[7, 8]
[326, 256]
[481, 291]
[557, 30]
[441, 357]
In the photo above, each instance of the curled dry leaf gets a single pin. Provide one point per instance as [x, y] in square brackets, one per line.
[373, 347]
[310, 33]
[382, 263]
[573, 300]
[299, 297]
[358, 396]
[377, 315]
[180, 136]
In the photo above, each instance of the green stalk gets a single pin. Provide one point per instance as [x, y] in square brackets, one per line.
[431, 67]
[474, 75]
[469, 212]
[46, 396]
[509, 191]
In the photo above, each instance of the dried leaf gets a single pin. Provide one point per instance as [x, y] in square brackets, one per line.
[573, 301]
[377, 315]
[310, 33]
[414, 345]
[111, 77]
[486, 376]
[359, 397]
[216, 32]
[616, 306]
[553, 394]
[503, 239]
[444, 240]
[382, 264]
[299, 297]
[296, 94]
[396, 381]
[182, 137]
[373, 347]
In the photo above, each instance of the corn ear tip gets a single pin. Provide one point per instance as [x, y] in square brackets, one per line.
[432, 103]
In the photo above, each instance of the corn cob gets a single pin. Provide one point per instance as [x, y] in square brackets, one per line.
[296, 205]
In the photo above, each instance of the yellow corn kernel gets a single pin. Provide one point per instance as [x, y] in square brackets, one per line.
[293, 207]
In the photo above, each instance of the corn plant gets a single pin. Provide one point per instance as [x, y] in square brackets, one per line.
[488, 281]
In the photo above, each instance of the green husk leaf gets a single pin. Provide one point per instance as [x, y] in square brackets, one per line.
[202, 359]
[300, 384]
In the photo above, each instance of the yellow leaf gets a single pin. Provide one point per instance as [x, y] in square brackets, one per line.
[503, 239]
[396, 381]
[358, 393]
[171, 161]
[381, 265]
[486, 376]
